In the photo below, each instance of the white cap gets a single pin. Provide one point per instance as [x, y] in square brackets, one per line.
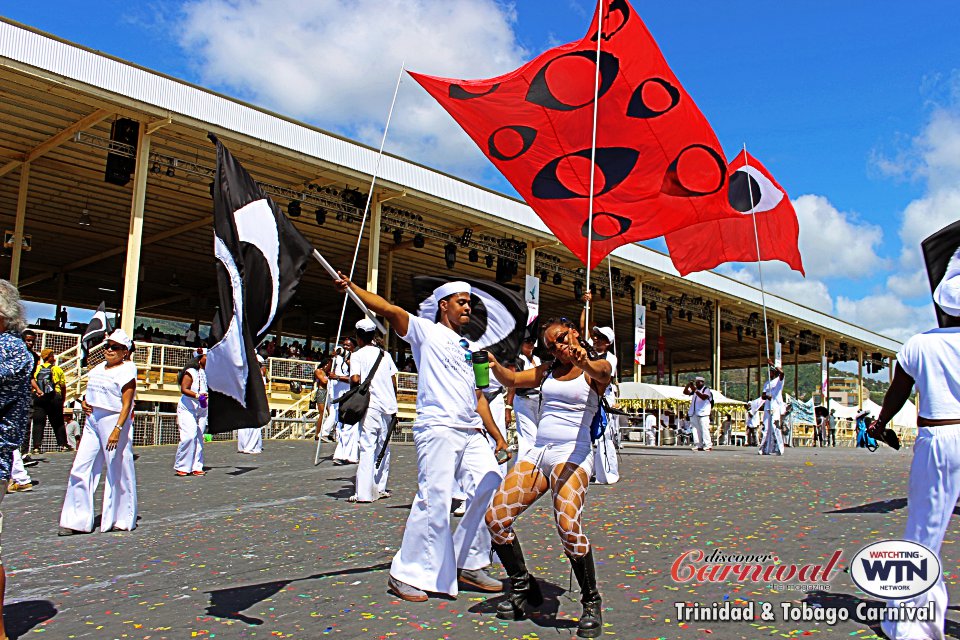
[120, 337]
[366, 324]
[449, 289]
[699, 379]
[260, 359]
[606, 332]
[947, 293]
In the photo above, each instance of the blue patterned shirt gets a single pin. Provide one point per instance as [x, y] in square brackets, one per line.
[16, 366]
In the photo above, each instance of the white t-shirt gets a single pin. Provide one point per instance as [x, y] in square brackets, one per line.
[339, 367]
[611, 391]
[105, 386]
[699, 406]
[524, 363]
[446, 388]
[73, 431]
[753, 409]
[650, 422]
[774, 389]
[198, 386]
[932, 359]
[382, 396]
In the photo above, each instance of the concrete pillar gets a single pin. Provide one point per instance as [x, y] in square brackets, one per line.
[373, 246]
[388, 295]
[638, 300]
[128, 311]
[859, 377]
[19, 223]
[715, 367]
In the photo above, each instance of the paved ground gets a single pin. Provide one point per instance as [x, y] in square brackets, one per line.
[267, 547]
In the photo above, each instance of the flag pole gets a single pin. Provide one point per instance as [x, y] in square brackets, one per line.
[363, 223]
[763, 297]
[613, 318]
[593, 161]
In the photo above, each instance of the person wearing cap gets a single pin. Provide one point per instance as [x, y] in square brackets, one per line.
[250, 439]
[701, 404]
[452, 415]
[606, 466]
[51, 389]
[107, 445]
[371, 481]
[526, 402]
[348, 435]
[192, 419]
[772, 396]
[929, 361]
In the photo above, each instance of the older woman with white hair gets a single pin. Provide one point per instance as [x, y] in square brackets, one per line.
[16, 368]
[107, 443]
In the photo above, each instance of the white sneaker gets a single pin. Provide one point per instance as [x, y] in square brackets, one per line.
[462, 509]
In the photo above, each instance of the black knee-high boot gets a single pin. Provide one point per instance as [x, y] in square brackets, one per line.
[523, 586]
[591, 622]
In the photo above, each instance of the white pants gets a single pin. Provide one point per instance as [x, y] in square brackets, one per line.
[348, 442]
[606, 467]
[371, 481]
[190, 450]
[772, 443]
[250, 440]
[701, 432]
[120, 481]
[329, 420]
[933, 492]
[498, 409]
[430, 553]
[527, 412]
[18, 473]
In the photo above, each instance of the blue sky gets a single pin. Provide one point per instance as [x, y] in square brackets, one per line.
[853, 104]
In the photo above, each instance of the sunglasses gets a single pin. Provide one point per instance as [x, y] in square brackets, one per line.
[561, 337]
[110, 346]
[465, 345]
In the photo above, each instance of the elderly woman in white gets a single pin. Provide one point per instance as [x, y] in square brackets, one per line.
[107, 443]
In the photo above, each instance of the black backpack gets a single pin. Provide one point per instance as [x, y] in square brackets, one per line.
[45, 380]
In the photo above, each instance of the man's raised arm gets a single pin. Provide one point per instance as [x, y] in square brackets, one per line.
[398, 318]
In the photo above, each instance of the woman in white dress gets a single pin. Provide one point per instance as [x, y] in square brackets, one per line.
[192, 419]
[107, 443]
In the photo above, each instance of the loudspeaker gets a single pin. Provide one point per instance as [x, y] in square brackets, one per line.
[119, 168]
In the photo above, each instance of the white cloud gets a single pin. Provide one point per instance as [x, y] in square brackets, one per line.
[335, 63]
[886, 314]
[834, 243]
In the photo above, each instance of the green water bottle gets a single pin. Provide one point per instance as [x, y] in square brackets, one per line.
[481, 369]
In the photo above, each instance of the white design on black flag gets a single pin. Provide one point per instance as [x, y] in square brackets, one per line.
[938, 251]
[498, 315]
[96, 332]
[260, 260]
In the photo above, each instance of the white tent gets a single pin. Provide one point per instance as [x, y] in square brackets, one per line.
[906, 418]
[644, 391]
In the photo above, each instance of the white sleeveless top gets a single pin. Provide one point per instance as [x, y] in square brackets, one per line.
[567, 411]
[198, 386]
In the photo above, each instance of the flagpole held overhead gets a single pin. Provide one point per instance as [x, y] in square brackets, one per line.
[593, 161]
[353, 296]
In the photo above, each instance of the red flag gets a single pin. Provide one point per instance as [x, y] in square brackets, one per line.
[706, 245]
[659, 166]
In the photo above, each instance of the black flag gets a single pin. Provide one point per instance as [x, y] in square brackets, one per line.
[498, 315]
[938, 251]
[260, 260]
[95, 333]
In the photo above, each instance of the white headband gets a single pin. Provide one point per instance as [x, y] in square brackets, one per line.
[449, 289]
[947, 293]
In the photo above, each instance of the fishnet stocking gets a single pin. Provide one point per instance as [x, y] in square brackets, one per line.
[521, 488]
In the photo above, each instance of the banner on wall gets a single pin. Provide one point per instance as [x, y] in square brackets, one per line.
[824, 378]
[531, 293]
[778, 355]
[640, 333]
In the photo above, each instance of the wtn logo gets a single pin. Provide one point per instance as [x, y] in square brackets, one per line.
[895, 569]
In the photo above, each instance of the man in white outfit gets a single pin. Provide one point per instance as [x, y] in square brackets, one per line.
[701, 404]
[348, 435]
[192, 419]
[772, 396]
[606, 466]
[371, 481]
[526, 402]
[754, 408]
[451, 446]
[250, 439]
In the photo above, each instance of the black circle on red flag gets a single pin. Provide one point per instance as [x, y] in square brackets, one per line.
[566, 66]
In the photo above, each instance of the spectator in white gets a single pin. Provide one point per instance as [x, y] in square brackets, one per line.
[250, 439]
[74, 432]
[526, 402]
[773, 409]
[16, 369]
[930, 361]
[754, 407]
[192, 419]
[108, 404]
[701, 404]
[606, 467]
[451, 445]
[832, 424]
[371, 482]
[348, 435]
[726, 428]
[190, 339]
[650, 429]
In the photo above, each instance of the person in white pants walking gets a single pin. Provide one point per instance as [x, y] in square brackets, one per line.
[451, 445]
[107, 444]
[701, 404]
[250, 440]
[192, 419]
[371, 481]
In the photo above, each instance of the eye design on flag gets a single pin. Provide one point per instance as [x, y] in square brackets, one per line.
[618, 13]
[654, 97]
[566, 83]
[749, 187]
[606, 226]
[569, 176]
[511, 142]
[698, 170]
[458, 92]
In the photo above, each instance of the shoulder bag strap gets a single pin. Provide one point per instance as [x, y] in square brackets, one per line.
[366, 383]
